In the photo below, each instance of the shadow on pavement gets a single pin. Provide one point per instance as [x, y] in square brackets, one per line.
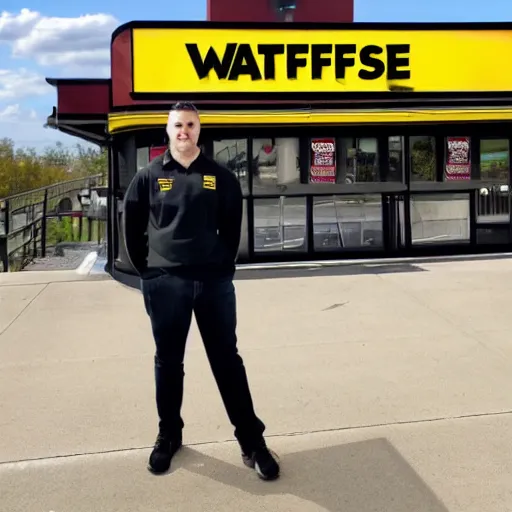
[334, 269]
[132, 281]
[327, 271]
[355, 477]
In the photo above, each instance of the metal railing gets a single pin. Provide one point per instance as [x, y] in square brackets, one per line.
[24, 216]
[493, 204]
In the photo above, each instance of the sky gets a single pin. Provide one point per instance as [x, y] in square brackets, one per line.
[71, 39]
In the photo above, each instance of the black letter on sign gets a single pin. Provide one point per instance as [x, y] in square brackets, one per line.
[270, 51]
[292, 62]
[367, 60]
[342, 62]
[211, 60]
[244, 63]
[317, 61]
[394, 62]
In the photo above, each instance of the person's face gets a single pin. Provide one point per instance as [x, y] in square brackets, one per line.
[183, 129]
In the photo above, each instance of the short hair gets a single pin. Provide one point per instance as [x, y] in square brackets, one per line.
[184, 105]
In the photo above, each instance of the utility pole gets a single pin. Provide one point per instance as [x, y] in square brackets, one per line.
[285, 9]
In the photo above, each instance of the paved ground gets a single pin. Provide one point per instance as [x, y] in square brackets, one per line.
[384, 389]
[69, 256]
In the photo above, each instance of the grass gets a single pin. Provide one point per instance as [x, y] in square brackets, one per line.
[67, 229]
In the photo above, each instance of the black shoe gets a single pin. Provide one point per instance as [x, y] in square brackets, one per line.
[162, 454]
[263, 461]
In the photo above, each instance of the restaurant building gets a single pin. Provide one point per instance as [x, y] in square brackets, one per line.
[349, 139]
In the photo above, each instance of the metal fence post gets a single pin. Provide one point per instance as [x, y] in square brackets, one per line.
[4, 243]
[4, 259]
[18, 245]
[43, 224]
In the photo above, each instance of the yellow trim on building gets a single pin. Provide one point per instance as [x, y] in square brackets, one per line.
[118, 122]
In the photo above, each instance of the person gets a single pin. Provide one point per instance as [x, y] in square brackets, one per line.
[182, 228]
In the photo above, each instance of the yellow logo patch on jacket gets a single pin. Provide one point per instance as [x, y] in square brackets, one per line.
[210, 182]
[165, 184]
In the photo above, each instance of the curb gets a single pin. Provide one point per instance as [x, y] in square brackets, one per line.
[373, 261]
[88, 262]
[87, 265]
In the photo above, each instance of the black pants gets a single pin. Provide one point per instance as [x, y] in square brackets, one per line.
[169, 302]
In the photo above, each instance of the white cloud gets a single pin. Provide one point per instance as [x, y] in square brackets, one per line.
[12, 27]
[21, 83]
[10, 113]
[65, 42]
[74, 46]
[16, 113]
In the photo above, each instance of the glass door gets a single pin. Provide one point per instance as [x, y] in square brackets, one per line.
[494, 170]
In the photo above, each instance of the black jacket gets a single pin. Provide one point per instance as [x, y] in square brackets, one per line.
[183, 221]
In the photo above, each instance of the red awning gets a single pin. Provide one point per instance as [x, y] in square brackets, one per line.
[82, 108]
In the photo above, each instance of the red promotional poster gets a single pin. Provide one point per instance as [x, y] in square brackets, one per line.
[155, 151]
[323, 161]
[458, 158]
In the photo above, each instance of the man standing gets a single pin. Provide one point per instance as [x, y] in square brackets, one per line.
[182, 226]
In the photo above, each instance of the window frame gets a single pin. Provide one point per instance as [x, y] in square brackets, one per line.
[476, 132]
[395, 195]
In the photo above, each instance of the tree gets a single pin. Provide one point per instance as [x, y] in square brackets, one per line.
[24, 169]
[423, 160]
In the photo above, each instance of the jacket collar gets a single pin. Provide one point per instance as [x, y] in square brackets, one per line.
[168, 160]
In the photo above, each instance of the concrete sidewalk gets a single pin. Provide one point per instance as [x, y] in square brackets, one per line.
[383, 389]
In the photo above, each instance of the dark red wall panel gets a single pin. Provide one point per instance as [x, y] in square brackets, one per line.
[121, 69]
[339, 11]
[231, 10]
[83, 99]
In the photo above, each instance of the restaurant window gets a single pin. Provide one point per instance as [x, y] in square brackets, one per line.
[232, 154]
[344, 160]
[440, 218]
[494, 160]
[493, 199]
[359, 160]
[423, 158]
[275, 161]
[349, 160]
[395, 171]
[135, 151]
[347, 222]
[457, 160]
[142, 157]
[147, 153]
[280, 224]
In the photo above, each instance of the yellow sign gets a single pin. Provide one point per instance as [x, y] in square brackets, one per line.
[320, 61]
[210, 182]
